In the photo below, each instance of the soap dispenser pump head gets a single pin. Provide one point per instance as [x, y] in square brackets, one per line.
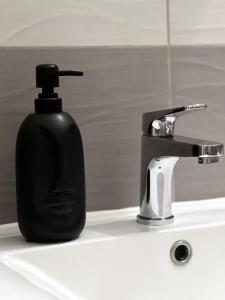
[47, 78]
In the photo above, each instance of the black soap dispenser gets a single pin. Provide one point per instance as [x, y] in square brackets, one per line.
[50, 180]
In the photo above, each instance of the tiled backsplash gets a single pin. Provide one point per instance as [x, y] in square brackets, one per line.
[198, 76]
[200, 22]
[122, 48]
[83, 23]
[111, 22]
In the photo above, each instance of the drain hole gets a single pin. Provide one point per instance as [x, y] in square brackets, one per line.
[180, 253]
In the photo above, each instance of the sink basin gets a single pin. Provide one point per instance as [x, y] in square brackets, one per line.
[116, 258]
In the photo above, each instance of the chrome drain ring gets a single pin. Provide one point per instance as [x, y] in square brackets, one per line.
[181, 253]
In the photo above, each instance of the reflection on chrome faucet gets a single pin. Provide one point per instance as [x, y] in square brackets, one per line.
[161, 150]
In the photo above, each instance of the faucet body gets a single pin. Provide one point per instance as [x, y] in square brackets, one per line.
[160, 153]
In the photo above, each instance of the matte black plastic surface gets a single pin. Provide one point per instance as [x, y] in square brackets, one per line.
[50, 178]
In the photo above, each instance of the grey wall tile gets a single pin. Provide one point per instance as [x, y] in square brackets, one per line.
[119, 85]
[198, 76]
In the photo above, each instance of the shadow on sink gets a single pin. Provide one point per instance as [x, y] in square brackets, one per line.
[120, 228]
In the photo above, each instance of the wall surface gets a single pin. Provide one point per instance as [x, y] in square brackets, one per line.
[198, 76]
[200, 22]
[121, 45]
[197, 35]
[82, 23]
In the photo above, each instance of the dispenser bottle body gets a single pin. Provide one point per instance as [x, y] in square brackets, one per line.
[50, 179]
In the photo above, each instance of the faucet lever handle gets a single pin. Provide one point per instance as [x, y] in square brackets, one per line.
[161, 123]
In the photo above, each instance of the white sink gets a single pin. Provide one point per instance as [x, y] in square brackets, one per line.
[118, 259]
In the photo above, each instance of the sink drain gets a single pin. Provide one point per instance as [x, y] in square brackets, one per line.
[180, 253]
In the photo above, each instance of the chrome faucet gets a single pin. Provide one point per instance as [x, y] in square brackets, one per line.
[161, 150]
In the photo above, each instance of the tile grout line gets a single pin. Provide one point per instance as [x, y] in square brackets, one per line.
[169, 71]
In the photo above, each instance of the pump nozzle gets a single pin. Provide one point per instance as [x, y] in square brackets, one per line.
[70, 73]
[47, 78]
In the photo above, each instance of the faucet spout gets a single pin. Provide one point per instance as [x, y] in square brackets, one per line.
[181, 146]
[186, 147]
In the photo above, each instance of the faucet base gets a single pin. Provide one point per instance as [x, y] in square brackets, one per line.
[155, 222]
